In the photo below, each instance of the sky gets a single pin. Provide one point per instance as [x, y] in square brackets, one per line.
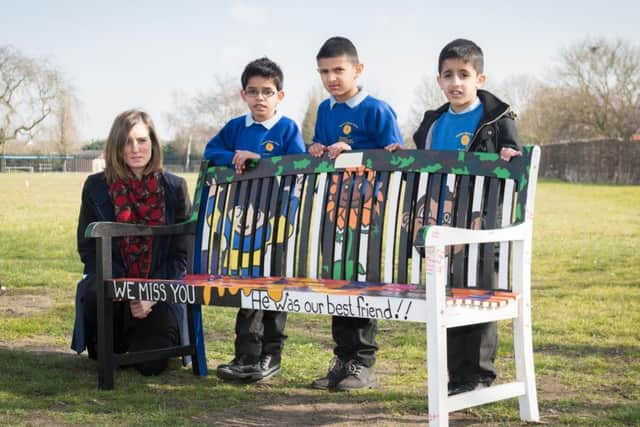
[125, 54]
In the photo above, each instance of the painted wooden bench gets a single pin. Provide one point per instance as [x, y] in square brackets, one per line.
[359, 236]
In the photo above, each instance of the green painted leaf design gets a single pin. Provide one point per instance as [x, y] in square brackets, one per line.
[402, 162]
[301, 164]
[460, 171]
[502, 173]
[431, 168]
[325, 167]
[486, 157]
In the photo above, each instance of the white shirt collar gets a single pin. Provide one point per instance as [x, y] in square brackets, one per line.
[352, 102]
[471, 107]
[268, 124]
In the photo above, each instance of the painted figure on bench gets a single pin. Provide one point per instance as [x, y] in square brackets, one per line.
[472, 120]
[343, 206]
[246, 244]
[133, 189]
[263, 132]
[350, 120]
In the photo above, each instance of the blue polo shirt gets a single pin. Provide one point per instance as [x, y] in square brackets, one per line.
[274, 137]
[363, 122]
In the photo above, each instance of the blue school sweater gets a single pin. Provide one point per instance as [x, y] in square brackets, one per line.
[454, 131]
[274, 137]
[363, 122]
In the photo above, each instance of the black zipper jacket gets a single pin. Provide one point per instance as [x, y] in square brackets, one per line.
[495, 130]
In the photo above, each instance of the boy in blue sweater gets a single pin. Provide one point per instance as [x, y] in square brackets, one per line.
[263, 132]
[350, 120]
[472, 120]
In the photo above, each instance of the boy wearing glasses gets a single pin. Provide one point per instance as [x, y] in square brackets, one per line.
[263, 132]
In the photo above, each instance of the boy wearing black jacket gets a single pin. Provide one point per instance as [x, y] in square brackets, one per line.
[472, 120]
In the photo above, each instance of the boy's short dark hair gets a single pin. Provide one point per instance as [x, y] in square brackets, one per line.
[463, 49]
[263, 67]
[338, 46]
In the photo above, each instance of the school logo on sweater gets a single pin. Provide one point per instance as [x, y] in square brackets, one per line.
[270, 145]
[346, 129]
[464, 138]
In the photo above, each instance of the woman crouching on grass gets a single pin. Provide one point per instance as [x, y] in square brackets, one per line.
[133, 189]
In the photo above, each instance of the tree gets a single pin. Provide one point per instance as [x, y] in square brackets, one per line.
[64, 129]
[517, 91]
[427, 96]
[596, 94]
[314, 98]
[27, 90]
[605, 77]
[196, 119]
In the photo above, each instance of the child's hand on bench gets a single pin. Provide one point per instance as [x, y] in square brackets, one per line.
[240, 158]
[507, 153]
[316, 149]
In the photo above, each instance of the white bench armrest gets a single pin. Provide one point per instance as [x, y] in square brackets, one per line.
[437, 235]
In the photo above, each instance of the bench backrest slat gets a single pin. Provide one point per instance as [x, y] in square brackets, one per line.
[418, 221]
[357, 219]
[475, 224]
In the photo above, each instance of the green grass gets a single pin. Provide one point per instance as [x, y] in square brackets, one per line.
[586, 310]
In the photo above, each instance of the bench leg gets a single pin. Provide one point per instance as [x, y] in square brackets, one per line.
[196, 337]
[436, 338]
[525, 370]
[437, 375]
[105, 342]
[522, 336]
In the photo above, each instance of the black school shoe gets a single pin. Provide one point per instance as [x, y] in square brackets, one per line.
[241, 368]
[470, 385]
[268, 366]
[246, 368]
[335, 374]
[357, 377]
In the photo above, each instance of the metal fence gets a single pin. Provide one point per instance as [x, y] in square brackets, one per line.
[81, 163]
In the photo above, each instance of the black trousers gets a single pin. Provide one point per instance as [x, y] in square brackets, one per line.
[260, 332]
[471, 349]
[471, 352]
[158, 330]
[355, 338]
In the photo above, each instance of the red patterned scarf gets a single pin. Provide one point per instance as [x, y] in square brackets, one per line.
[138, 202]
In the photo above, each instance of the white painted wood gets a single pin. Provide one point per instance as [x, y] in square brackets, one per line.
[314, 232]
[523, 337]
[362, 306]
[522, 334]
[507, 209]
[205, 245]
[390, 224]
[476, 207]
[486, 395]
[436, 270]
[439, 235]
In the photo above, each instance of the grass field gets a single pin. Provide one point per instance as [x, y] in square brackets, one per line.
[586, 310]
